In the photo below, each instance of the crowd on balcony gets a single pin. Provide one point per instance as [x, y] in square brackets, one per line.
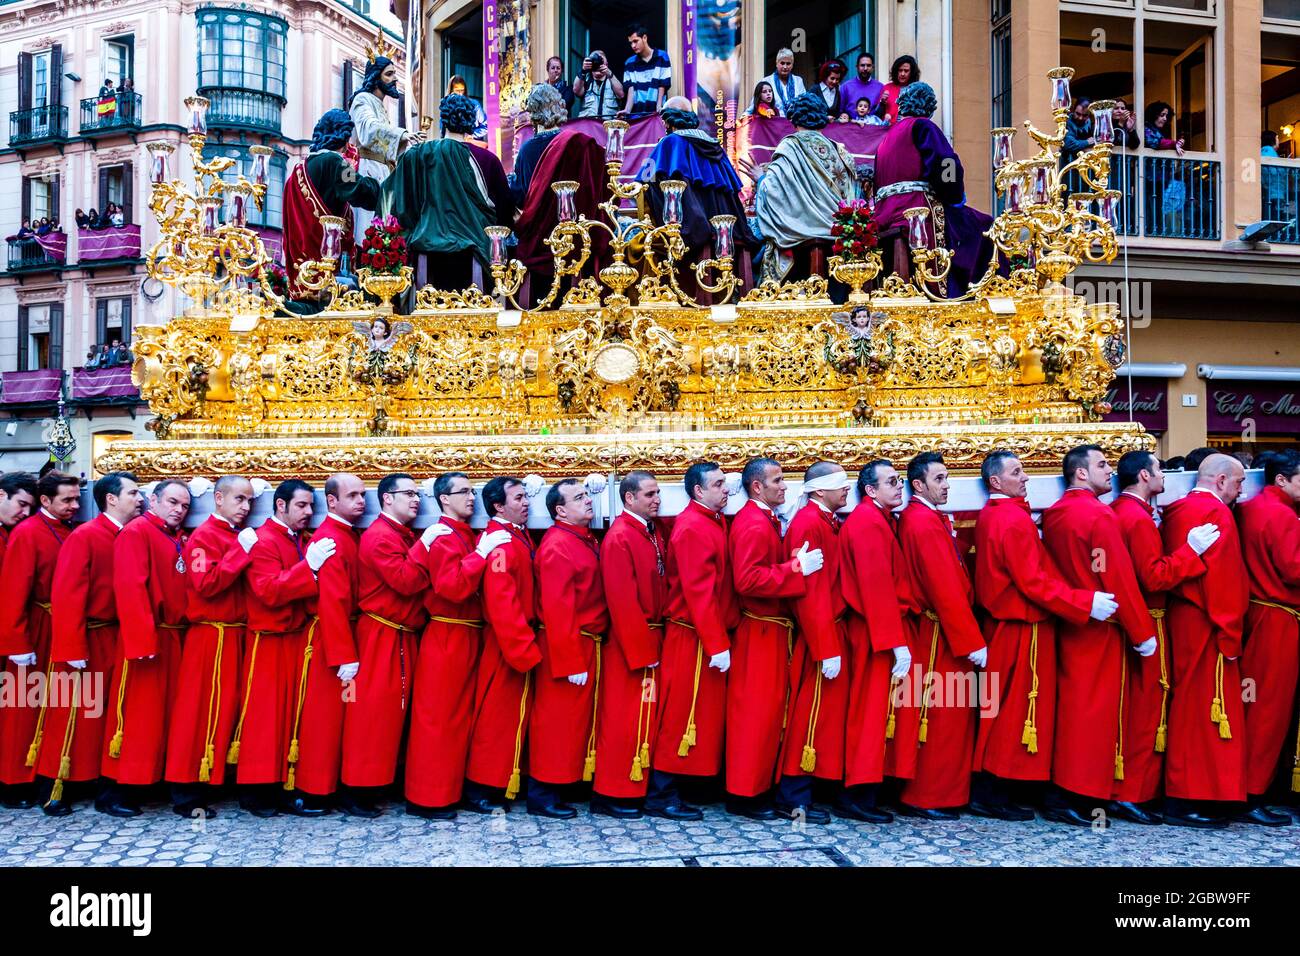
[108, 355]
[39, 227]
[116, 104]
[111, 218]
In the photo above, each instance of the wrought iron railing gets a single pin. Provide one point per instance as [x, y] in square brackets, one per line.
[245, 109]
[100, 114]
[37, 125]
[1279, 185]
[28, 254]
[1181, 197]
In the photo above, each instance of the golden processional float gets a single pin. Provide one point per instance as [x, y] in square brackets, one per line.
[622, 369]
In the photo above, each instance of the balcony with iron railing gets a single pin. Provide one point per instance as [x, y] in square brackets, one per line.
[103, 115]
[43, 124]
[243, 109]
[1279, 185]
[1166, 196]
[37, 254]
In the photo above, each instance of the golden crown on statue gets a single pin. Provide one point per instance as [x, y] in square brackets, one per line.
[381, 47]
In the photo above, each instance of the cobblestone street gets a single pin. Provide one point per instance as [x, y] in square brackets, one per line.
[235, 838]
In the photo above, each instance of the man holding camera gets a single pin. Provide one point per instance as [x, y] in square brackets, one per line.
[599, 88]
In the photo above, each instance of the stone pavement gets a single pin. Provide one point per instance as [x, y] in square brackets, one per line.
[235, 838]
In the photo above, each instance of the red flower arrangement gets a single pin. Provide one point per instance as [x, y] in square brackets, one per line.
[278, 279]
[855, 231]
[383, 248]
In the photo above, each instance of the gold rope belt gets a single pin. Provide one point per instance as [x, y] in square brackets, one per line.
[44, 606]
[1162, 731]
[589, 764]
[387, 623]
[1029, 736]
[788, 624]
[214, 702]
[35, 746]
[291, 779]
[689, 737]
[923, 731]
[464, 622]
[65, 755]
[641, 755]
[1119, 743]
[1218, 713]
[232, 753]
[512, 788]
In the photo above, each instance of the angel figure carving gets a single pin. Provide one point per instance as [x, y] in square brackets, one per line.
[380, 364]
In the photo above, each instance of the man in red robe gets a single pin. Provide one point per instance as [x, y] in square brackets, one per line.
[1020, 590]
[1146, 695]
[206, 702]
[282, 590]
[390, 596]
[83, 645]
[150, 587]
[334, 661]
[634, 568]
[504, 688]
[17, 499]
[574, 621]
[878, 593]
[442, 699]
[32, 549]
[944, 629]
[1205, 764]
[758, 684]
[702, 612]
[1093, 657]
[819, 685]
[1270, 547]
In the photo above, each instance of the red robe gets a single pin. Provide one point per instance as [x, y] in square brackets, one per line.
[1146, 694]
[151, 596]
[281, 596]
[503, 690]
[574, 621]
[392, 584]
[33, 548]
[814, 736]
[1206, 758]
[943, 590]
[1020, 588]
[702, 612]
[880, 597]
[85, 629]
[633, 566]
[1270, 546]
[442, 701]
[1093, 658]
[320, 737]
[758, 684]
[206, 703]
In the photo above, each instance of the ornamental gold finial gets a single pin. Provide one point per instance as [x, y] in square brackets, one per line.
[381, 47]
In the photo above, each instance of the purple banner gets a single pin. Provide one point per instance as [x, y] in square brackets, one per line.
[89, 383]
[53, 244]
[492, 74]
[1273, 407]
[690, 49]
[1150, 403]
[40, 385]
[757, 138]
[114, 243]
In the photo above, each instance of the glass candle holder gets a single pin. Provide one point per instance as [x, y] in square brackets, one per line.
[1060, 78]
[672, 190]
[209, 214]
[261, 163]
[1110, 206]
[1015, 194]
[1002, 137]
[241, 195]
[566, 191]
[158, 157]
[916, 227]
[614, 144]
[198, 107]
[331, 239]
[497, 236]
[1038, 185]
[1103, 120]
[723, 247]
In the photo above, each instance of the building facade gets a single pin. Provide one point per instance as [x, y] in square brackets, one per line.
[270, 69]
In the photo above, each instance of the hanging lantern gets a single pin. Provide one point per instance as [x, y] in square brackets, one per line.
[61, 444]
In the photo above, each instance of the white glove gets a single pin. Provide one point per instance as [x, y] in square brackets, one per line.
[578, 680]
[247, 538]
[808, 561]
[493, 540]
[77, 665]
[651, 667]
[831, 668]
[349, 671]
[22, 660]
[979, 658]
[902, 662]
[435, 530]
[1200, 538]
[318, 552]
[1103, 605]
[721, 661]
[1147, 647]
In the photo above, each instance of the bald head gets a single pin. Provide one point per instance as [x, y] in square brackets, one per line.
[1223, 475]
[678, 103]
[345, 496]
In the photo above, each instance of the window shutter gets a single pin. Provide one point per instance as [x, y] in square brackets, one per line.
[27, 199]
[126, 322]
[401, 110]
[56, 336]
[103, 189]
[56, 75]
[128, 177]
[22, 338]
[347, 83]
[54, 200]
[101, 322]
[25, 81]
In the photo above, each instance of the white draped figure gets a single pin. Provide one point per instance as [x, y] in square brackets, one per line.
[380, 141]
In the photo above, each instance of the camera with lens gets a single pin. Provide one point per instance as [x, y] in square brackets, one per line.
[597, 61]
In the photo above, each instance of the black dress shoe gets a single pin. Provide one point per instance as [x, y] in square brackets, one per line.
[259, 809]
[1071, 816]
[856, 811]
[117, 808]
[430, 813]
[553, 811]
[56, 808]
[359, 808]
[305, 805]
[18, 803]
[191, 810]
[484, 805]
[927, 813]
[1004, 811]
[808, 814]
[1194, 819]
[1262, 816]
[619, 811]
[1133, 813]
[750, 810]
[681, 812]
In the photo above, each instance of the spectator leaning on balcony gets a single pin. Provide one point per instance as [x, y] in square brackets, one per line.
[83, 221]
[905, 70]
[647, 74]
[1078, 131]
[26, 230]
[828, 90]
[106, 89]
[764, 101]
[1125, 126]
[92, 359]
[600, 89]
[1159, 125]
[785, 84]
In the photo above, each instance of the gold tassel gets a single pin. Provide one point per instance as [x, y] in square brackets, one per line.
[1225, 730]
[1216, 711]
[889, 727]
[1119, 766]
[1162, 738]
[205, 769]
[924, 731]
[512, 788]
[115, 745]
[293, 750]
[34, 749]
[65, 768]
[56, 791]
[1295, 779]
[635, 775]
[589, 766]
[688, 741]
[1033, 740]
[292, 779]
[645, 754]
[232, 755]
[1027, 734]
[808, 763]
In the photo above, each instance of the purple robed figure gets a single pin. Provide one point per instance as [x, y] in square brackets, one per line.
[917, 167]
